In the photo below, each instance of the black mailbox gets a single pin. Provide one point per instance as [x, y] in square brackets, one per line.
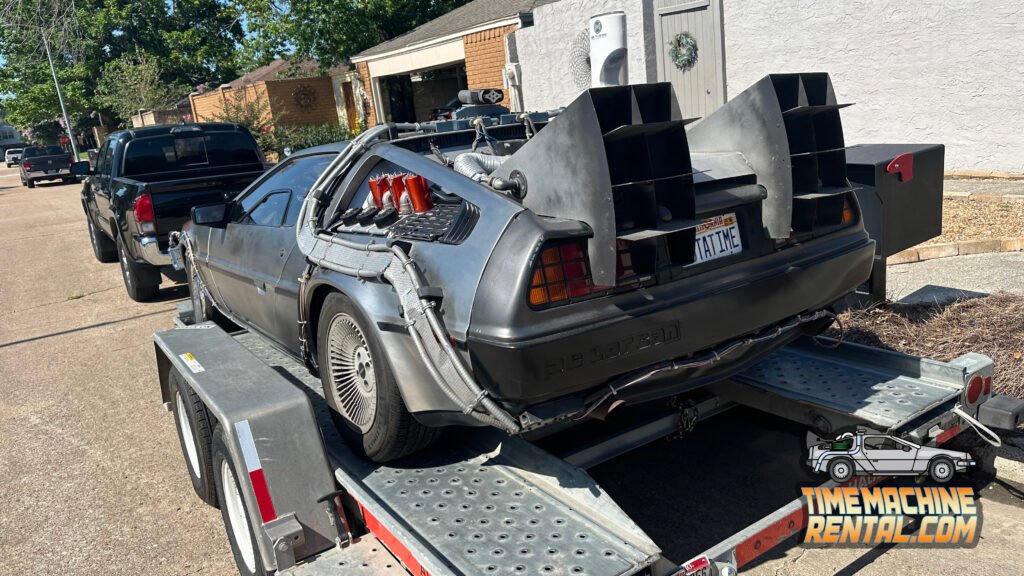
[901, 192]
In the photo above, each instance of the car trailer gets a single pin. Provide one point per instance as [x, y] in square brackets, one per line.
[304, 504]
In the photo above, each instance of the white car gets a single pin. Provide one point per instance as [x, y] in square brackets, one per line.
[864, 454]
[12, 156]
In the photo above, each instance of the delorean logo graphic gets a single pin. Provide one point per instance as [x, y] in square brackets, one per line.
[492, 96]
[868, 454]
[621, 348]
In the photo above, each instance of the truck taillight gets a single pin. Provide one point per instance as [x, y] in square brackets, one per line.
[71, 159]
[145, 216]
[560, 273]
[26, 165]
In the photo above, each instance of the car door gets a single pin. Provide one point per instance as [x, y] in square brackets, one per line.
[258, 262]
[99, 186]
[884, 455]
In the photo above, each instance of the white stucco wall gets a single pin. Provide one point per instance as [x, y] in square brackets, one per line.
[543, 47]
[918, 70]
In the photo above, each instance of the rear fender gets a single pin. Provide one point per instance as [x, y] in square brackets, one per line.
[379, 304]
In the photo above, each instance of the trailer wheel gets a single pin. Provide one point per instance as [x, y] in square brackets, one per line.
[367, 407]
[941, 469]
[140, 280]
[195, 436]
[102, 247]
[233, 510]
[841, 469]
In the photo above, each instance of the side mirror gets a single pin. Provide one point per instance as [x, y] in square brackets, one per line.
[213, 215]
[82, 168]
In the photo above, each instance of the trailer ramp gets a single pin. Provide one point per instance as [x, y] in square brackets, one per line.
[841, 384]
[485, 503]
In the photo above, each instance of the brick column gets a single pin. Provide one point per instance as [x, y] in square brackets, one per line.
[485, 58]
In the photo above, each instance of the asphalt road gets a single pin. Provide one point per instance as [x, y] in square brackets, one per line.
[92, 480]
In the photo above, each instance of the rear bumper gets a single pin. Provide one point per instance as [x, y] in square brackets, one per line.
[150, 251]
[677, 320]
[44, 175]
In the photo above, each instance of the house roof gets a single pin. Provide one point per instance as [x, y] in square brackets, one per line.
[466, 17]
[280, 68]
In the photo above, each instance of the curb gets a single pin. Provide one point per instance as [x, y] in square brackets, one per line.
[981, 175]
[981, 197]
[962, 248]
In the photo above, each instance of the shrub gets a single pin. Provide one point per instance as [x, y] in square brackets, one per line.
[298, 138]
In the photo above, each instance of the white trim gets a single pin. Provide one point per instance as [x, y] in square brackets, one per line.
[437, 55]
[441, 40]
[248, 446]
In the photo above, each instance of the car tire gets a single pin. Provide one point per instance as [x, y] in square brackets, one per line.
[841, 470]
[941, 469]
[366, 405]
[30, 183]
[233, 509]
[195, 434]
[103, 247]
[140, 280]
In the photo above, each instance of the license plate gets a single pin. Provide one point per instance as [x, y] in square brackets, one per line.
[717, 237]
[51, 171]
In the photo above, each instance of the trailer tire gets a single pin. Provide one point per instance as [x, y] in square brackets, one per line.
[195, 434]
[373, 419]
[141, 281]
[102, 247]
[941, 469]
[234, 511]
[841, 470]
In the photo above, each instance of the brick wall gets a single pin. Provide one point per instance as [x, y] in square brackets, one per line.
[302, 101]
[485, 58]
[364, 76]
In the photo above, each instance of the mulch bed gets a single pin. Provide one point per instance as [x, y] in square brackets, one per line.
[993, 326]
[964, 219]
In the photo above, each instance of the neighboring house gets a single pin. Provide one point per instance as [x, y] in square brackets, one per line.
[181, 112]
[922, 71]
[404, 79]
[9, 137]
[292, 94]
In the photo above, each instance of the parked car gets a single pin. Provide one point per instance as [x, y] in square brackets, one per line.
[40, 163]
[863, 454]
[144, 184]
[12, 156]
[580, 264]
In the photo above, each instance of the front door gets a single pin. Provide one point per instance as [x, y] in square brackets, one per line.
[690, 54]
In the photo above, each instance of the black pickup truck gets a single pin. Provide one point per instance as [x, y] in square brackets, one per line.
[45, 163]
[145, 183]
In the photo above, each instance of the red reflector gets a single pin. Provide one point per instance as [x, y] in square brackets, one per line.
[988, 386]
[143, 209]
[262, 493]
[974, 390]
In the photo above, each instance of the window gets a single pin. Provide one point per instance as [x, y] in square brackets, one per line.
[271, 211]
[879, 443]
[189, 150]
[294, 176]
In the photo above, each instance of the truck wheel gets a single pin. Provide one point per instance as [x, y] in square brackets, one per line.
[366, 405]
[141, 281]
[233, 510]
[841, 470]
[102, 247]
[941, 469]
[194, 434]
[30, 183]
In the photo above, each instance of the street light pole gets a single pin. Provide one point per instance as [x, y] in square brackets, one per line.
[60, 97]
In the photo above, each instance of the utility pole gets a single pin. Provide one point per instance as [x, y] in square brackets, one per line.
[60, 97]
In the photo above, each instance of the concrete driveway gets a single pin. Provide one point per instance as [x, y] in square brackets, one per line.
[92, 480]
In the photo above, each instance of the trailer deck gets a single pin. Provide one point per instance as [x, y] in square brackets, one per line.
[489, 503]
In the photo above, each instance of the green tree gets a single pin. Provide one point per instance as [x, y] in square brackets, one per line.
[134, 82]
[333, 30]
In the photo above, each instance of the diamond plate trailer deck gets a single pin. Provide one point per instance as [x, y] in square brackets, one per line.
[494, 504]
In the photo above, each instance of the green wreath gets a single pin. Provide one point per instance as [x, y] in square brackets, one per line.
[683, 51]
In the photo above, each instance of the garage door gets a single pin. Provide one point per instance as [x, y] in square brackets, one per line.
[697, 75]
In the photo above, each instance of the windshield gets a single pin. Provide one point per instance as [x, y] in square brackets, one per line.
[193, 150]
[39, 151]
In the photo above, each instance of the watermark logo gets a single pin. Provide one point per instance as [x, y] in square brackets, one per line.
[855, 513]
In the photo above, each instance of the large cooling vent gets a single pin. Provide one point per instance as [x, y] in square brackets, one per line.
[617, 158]
[787, 127]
